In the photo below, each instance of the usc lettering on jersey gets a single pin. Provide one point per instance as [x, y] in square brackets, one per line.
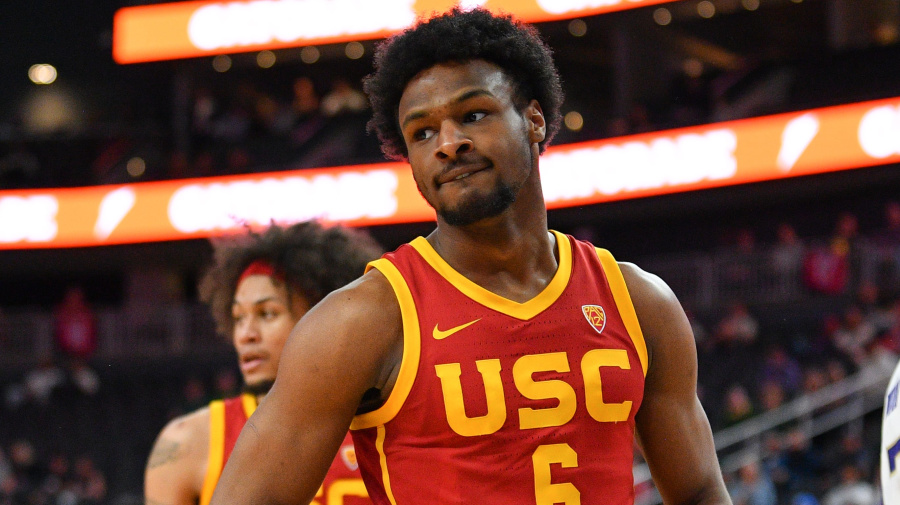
[504, 402]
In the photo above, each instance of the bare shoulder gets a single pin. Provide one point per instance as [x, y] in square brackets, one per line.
[183, 438]
[177, 464]
[661, 316]
[357, 327]
[360, 307]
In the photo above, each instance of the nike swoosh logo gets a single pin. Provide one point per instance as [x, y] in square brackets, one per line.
[440, 335]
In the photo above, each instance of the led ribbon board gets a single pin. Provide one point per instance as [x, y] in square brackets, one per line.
[717, 155]
[202, 28]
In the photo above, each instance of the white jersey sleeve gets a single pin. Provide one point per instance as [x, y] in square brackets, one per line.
[890, 442]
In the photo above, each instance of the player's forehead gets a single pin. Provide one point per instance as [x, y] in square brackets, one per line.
[447, 82]
[255, 289]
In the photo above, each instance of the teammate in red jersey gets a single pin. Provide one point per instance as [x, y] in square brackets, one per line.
[258, 288]
[510, 364]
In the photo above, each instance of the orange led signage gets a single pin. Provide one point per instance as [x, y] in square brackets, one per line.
[723, 154]
[201, 28]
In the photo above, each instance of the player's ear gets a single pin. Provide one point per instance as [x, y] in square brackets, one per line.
[537, 126]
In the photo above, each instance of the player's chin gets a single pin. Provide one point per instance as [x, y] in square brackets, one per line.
[258, 385]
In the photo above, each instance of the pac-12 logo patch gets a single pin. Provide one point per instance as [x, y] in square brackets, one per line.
[348, 456]
[595, 315]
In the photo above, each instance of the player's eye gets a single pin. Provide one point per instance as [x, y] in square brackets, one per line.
[423, 134]
[474, 116]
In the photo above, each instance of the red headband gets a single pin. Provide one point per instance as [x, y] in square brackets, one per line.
[261, 267]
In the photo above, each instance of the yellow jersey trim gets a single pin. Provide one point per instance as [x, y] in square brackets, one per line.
[385, 476]
[216, 450]
[412, 346]
[249, 403]
[624, 304]
[522, 311]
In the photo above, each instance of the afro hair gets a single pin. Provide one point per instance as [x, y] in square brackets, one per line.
[314, 261]
[460, 36]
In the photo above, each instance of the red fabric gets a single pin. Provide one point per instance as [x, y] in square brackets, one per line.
[343, 469]
[429, 462]
[261, 267]
[235, 419]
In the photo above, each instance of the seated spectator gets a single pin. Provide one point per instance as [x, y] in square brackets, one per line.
[738, 406]
[90, 482]
[826, 269]
[753, 486]
[771, 395]
[781, 368]
[738, 327]
[343, 99]
[786, 257]
[854, 335]
[852, 489]
[75, 325]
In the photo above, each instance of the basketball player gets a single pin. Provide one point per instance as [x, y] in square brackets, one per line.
[258, 288]
[890, 442]
[511, 364]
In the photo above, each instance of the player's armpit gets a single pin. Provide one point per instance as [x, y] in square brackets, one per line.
[672, 427]
[344, 346]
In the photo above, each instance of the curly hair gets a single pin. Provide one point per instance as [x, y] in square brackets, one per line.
[313, 259]
[459, 36]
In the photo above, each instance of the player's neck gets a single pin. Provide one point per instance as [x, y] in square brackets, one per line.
[514, 258]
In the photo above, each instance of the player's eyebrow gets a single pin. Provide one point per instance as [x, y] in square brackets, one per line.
[412, 116]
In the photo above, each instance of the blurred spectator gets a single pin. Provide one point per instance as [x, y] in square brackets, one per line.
[852, 490]
[826, 269]
[75, 325]
[753, 486]
[890, 337]
[802, 461]
[738, 406]
[738, 327]
[343, 99]
[90, 482]
[43, 381]
[27, 472]
[57, 476]
[887, 239]
[814, 379]
[781, 368]
[854, 334]
[835, 370]
[75, 334]
[804, 498]
[737, 262]
[846, 240]
[771, 395]
[305, 107]
[206, 106]
[787, 257]
[850, 449]
[273, 118]
[876, 309]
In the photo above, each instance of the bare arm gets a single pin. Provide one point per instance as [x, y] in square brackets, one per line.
[177, 464]
[344, 346]
[672, 427]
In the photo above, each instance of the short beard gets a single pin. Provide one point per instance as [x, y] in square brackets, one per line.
[475, 209]
[260, 388]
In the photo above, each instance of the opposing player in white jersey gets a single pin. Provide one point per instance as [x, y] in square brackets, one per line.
[890, 442]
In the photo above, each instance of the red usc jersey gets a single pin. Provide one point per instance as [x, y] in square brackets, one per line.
[342, 485]
[503, 402]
